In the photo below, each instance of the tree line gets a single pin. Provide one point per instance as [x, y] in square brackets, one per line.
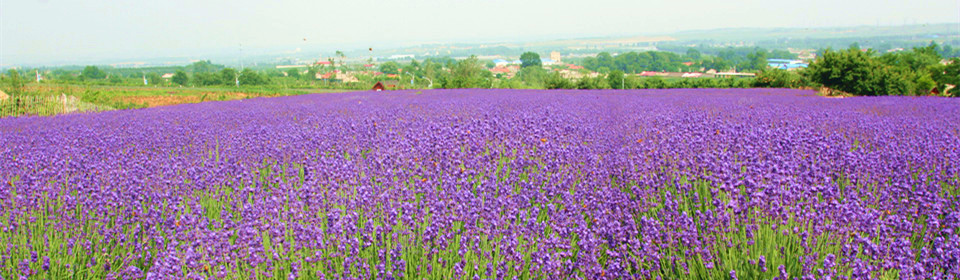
[918, 71]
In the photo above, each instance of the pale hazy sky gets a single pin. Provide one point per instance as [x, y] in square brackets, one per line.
[37, 31]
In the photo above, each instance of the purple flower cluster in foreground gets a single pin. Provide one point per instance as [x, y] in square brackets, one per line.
[488, 184]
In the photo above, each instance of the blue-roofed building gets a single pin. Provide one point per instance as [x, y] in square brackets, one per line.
[786, 64]
[501, 62]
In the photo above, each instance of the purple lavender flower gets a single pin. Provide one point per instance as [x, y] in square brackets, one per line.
[555, 184]
[762, 262]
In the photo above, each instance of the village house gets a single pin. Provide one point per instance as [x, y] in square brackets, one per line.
[337, 76]
[385, 85]
[555, 56]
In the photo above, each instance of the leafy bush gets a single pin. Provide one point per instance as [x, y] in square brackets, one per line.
[856, 72]
[778, 78]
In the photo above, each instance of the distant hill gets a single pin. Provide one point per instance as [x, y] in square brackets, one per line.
[754, 34]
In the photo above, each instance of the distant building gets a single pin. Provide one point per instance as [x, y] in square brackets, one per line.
[652, 74]
[167, 76]
[670, 74]
[555, 56]
[786, 64]
[500, 62]
[402, 56]
[500, 70]
[505, 71]
[337, 76]
[290, 66]
[569, 74]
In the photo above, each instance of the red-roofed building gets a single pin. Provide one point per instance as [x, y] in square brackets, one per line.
[688, 63]
[323, 63]
[328, 75]
[384, 85]
[574, 67]
[652, 74]
[500, 70]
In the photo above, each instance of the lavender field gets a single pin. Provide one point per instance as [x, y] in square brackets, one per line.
[488, 184]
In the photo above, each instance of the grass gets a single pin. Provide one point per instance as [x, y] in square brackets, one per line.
[100, 98]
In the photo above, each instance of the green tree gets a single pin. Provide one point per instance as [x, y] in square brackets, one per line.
[469, 73]
[92, 72]
[203, 66]
[116, 79]
[413, 68]
[342, 56]
[778, 78]
[180, 78]
[755, 61]
[293, 73]
[533, 77]
[604, 61]
[249, 77]
[949, 74]
[856, 72]
[228, 76]
[311, 74]
[154, 78]
[693, 54]
[13, 83]
[615, 79]
[390, 67]
[917, 59]
[206, 79]
[654, 83]
[782, 54]
[592, 83]
[528, 59]
[556, 81]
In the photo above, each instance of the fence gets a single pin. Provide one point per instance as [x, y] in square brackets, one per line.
[45, 105]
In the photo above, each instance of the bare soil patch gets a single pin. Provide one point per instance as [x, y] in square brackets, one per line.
[154, 101]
